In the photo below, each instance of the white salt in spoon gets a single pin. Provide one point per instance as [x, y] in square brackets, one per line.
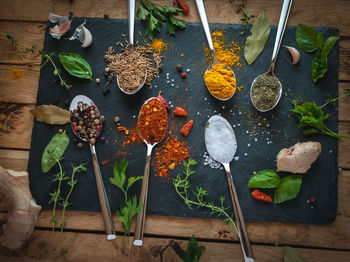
[221, 144]
[131, 11]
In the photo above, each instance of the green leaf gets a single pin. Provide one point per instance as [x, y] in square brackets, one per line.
[256, 42]
[328, 45]
[194, 251]
[288, 189]
[127, 212]
[142, 11]
[292, 255]
[132, 180]
[319, 66]
[170, 27]
[266, 178]
[307, 38]
[119, 177]
[76, 65]
[54, 151]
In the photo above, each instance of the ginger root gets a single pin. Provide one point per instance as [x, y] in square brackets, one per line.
[298, 158]
[16, 199]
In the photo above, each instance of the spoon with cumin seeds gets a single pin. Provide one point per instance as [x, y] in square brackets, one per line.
[134, 76]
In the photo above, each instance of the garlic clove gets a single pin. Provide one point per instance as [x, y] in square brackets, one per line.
[294, 53]
[87, 39]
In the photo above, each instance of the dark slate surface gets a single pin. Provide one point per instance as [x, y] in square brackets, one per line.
[320, 182]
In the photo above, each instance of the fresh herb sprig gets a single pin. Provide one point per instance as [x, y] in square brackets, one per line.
[182, 186]
[66, 202]
[309, 40]
[246, 17]
[130, 208]
[155, 14]
[45, 57]
[311, 118]
[194, 251]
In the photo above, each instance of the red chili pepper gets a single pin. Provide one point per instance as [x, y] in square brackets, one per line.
[179, 111]
[185, 130]
[185, 8]
[257, 194]
[105, 161]
[162, 99]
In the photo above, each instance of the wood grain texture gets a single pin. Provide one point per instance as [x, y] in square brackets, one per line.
[93, 247]
[14, 159]
[218, 11]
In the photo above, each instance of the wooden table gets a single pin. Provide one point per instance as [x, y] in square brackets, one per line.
[25, 20]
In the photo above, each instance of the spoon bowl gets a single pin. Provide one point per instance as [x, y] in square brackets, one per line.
[131, 12]
[81, 109]
[287, 4]
[140, 222]
[204, 20]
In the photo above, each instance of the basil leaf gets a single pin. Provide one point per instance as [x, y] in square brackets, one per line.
[292, 255]
[288, 188]
[256, 42]
[266, 178]
[307, 38]
[319, 66]
[54, 151]
[76, 65]
[328, 45]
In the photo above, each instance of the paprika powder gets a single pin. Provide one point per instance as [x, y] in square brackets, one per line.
[152, 121]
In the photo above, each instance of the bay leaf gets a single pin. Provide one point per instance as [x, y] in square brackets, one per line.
[256, 42]
[51, 114]
[292, 255]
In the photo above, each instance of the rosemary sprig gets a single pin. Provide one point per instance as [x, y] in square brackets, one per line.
[182, 185]
[33, 49]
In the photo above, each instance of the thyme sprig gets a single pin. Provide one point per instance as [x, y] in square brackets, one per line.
[182, 186]
[246, 17]
[34, 50]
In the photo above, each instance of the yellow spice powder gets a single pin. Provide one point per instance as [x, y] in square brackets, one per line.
[220, 81]
[158, 45]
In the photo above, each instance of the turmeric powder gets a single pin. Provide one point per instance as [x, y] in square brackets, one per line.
[220, 81]
[158, 45]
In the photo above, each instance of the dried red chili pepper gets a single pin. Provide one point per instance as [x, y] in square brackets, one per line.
[185, 8]
[185, 130]
[257, 194]
[105, 161]
[162, 99]
[179, 111]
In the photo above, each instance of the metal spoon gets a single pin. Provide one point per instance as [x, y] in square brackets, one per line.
[102, 196]
[287, 4]
[222, 148]
[204, 20]
[131, 12]
[140, 222]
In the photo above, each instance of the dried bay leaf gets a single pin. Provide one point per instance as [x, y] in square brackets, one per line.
[50, 114]
[256, 42]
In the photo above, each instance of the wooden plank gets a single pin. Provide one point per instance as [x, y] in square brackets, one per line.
[16, 125]
[344, 103]
[26, 33]
[14, 159]
[95, 247]
[335, 235]
[344, 146]
[219, 11]
[22, 90]
[29, 33]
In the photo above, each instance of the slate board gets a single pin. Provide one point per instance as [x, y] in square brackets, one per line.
[320, 182]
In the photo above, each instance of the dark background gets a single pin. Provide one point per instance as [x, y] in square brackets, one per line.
[278, 126]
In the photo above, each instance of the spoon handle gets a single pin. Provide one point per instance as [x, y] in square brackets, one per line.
[204, 20]
[131, 11]
[242, 230]
[140, 222]
[102, 196]
[287, 4]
